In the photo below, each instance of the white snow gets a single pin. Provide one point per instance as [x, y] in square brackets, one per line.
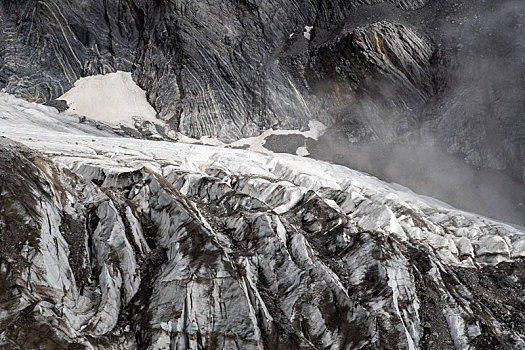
[307, 32]
[256, 143]
[113, 98]
[302, 151]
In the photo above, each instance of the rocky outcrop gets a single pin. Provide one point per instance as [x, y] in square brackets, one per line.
[373, 81]
[111, 243]
[212, 69]
[410, 71]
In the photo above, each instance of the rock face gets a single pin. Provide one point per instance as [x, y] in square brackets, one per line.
[109, 242]
[447, 73]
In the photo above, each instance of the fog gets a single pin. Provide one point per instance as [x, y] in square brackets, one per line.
[474, 123]
[431, 172]
[479, 110]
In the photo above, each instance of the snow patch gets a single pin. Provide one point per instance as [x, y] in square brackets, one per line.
[302, 151]
[307, 33]
[113, 98]
[256, 143]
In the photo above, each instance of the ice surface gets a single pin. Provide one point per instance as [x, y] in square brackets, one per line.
[84, 148]
[311, 229]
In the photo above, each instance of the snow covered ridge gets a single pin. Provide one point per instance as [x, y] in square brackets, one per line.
[126, 243]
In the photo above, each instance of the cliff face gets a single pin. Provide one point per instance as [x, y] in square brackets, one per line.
[211, 68]
[446, 73]
[110, 242]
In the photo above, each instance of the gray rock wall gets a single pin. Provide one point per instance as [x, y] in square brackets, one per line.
[446, 73]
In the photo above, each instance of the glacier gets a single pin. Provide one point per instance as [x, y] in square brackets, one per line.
[112, 242]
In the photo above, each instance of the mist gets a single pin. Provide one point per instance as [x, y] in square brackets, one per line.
[478, 111]
[432, 172]
[465, 144]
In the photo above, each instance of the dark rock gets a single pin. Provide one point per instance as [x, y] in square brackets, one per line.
[60, 105]
[285, 143]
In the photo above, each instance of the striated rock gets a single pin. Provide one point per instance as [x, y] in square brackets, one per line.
[445, 73]
[373, 80]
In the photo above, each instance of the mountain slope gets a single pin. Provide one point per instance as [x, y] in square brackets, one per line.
[113, 242]
[446, 73]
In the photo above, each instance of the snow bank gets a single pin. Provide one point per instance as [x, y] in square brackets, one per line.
[112, 98]
[256, 143]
